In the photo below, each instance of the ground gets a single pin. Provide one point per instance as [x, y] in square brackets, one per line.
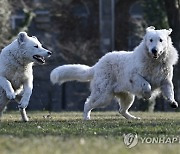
[66, 132]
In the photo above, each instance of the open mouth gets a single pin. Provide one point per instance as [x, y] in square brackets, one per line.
[39, 59]
[155, 56]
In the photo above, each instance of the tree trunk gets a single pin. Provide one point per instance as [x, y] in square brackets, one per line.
[173, 14]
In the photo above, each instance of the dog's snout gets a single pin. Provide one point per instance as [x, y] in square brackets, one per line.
[49, 53]
[154, 50]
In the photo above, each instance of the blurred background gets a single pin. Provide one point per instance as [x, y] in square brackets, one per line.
[81, 31]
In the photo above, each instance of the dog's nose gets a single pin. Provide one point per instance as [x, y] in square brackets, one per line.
[49, 53]
[154, 50]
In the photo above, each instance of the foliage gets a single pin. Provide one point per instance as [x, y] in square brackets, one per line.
[77, 30]
[5, 13]
[155, 13]
[7, 7]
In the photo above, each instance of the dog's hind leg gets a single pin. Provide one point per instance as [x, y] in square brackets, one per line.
[3, 101]
[87, 109]
[22, 110]
[91, 103]
[101, 92]
[96, 100]
[125, 101]
[24, 115]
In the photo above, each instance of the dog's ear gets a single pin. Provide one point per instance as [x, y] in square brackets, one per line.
[22, 37]
[169, 31]
[150, 28]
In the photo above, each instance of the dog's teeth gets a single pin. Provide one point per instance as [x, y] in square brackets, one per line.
[39, 58]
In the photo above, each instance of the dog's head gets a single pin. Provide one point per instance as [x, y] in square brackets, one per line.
[32, 49]
[156, 41]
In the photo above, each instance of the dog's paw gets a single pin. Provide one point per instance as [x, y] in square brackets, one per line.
[146, 95]
[174, 105]
[11, 96]
[25, 118]
[146, 90]
[138, 118]
[24, 115]
[133, 118]
[87, 118]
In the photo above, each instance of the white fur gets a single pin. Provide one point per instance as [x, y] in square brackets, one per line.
[145, 72]
[16, 74]
[71, 72]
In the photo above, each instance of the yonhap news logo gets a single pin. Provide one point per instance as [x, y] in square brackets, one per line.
[132, 139]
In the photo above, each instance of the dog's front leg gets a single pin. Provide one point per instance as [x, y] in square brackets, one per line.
[28, 86]
[140, 86]
[6, 85]
[167, 89]
[27, 91]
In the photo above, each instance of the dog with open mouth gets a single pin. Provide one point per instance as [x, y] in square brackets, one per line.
[16, 73]
[146, 72]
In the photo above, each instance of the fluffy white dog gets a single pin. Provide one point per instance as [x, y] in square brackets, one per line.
[143, 72]
[16, 74]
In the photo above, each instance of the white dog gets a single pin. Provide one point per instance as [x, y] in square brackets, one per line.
[16, 74]
[143, 72]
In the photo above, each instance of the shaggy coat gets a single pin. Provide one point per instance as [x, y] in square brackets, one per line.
[16, 74]
[144, 72]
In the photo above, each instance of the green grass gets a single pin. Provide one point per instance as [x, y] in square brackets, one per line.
[66, 132]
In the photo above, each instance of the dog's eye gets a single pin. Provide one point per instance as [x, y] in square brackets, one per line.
[160, 40]
[151, 40]
[36, 46]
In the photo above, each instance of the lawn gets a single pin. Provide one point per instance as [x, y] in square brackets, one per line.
[66, 132]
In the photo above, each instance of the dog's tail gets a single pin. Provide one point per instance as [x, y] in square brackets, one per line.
[76, 72]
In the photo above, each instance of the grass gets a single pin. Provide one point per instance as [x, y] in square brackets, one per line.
[66, 132]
